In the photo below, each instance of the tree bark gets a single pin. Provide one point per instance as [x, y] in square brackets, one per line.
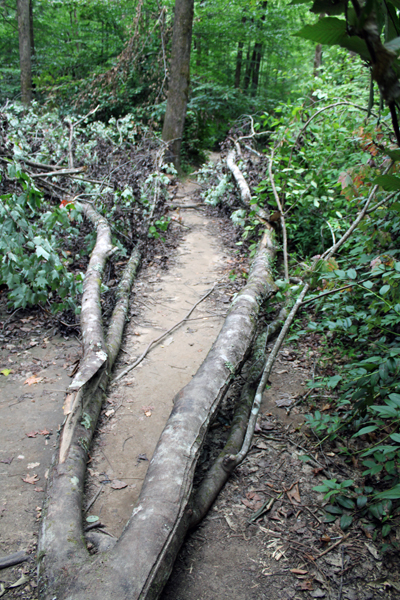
[32, 37]
[24, 51]
[178, 89]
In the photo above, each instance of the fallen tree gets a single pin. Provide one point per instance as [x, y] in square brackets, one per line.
[140, 562]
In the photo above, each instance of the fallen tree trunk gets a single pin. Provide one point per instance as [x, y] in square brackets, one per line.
[61, 540]
[140, 562]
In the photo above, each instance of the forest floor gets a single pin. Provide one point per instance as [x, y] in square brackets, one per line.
[286, 553]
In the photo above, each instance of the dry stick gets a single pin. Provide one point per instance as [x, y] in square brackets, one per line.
[382, 202]
[245, 193]
[54, 173]
[333, 546]
[142, 356]
[282, 218]
[13, 559]
[328, 253]
[232, 461]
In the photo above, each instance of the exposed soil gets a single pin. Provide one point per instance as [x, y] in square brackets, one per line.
[288, 551]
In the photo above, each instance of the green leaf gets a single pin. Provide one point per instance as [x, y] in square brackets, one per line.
[330, 7]
[386, 529]
[345, 502]
[92, 519]
[345, 522]
[393, 154]
[392, 494]
[321, 488]
[352, 274]
[41, 252]
[376, 510]
[390, 183]
[5, 372]
[384, 290]
[395, 437]
[362, 501]
[364, 430]
[326, 31]
[333, 510]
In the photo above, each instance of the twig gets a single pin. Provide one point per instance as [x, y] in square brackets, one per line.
[333, 546]
[392, 195]
[342, 575]
[93, 500]
[59, 173]
[282, 218]
[311, 513]
[13, 559]
[153, 342]
[352, 227]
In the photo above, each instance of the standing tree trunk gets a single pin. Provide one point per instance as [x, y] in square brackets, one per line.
[317, 59]
[239, 60]
[178, 89]
[24, 51]
[31, 38]
[255, 74]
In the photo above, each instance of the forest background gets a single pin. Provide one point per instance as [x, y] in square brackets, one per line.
[334, 150]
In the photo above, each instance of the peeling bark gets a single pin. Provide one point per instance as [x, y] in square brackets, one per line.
[140, 562]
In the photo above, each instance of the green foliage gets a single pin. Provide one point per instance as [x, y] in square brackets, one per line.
[32, 262]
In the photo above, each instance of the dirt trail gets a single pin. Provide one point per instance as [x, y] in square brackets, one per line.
[140, 403]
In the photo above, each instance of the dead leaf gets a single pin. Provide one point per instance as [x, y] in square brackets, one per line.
[294, 494]
[33, 379]
[305, 585]
[44, 432]
[116, 484]
[32, 434]
[326, 407]
[32, 479]
[39, 489]
[282, 372]
[147, 410]
[284, 402]
[7, 461]
[20, 581]
[32, 465]
[373, 550]
[298, 571]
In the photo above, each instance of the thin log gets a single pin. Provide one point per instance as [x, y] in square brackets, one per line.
[140, 563]
[95, 351]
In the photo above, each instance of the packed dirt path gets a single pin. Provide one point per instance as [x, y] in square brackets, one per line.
[139, 404]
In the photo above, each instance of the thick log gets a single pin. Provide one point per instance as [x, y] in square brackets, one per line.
[140, 563]
[62, 548]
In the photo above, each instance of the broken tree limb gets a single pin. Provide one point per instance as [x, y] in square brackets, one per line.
[282, 218]
[94, 347]
[231, 461]
[140, 562]
[244, 189]
[218, 474]
[61, 540]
